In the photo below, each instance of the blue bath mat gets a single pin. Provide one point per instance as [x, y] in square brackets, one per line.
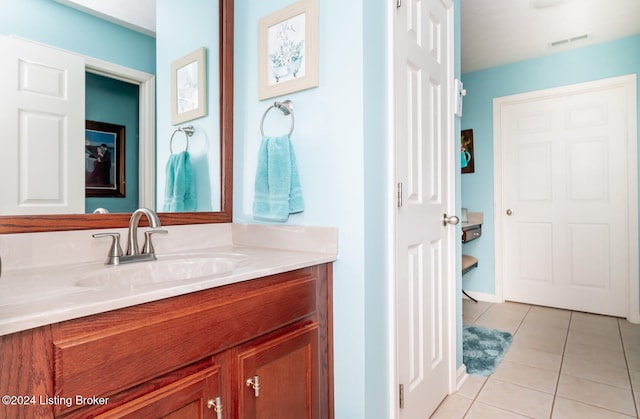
[483, 349]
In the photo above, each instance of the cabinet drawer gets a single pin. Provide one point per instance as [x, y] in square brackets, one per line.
[471, 233]
[93, 355]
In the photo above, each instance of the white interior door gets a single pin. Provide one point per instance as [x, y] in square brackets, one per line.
[425, 273]
[568, 176]
[42, 120]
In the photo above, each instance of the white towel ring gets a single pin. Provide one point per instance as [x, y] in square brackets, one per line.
[188, 132]
[287, 109]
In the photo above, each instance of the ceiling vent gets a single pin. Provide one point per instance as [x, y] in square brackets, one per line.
[572, 39]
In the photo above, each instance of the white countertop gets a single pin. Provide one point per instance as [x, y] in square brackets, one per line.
[33, 296]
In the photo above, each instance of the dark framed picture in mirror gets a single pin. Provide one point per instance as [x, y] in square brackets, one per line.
[104, 159]
[467, 155]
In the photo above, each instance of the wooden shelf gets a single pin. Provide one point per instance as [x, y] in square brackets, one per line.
[468, 263]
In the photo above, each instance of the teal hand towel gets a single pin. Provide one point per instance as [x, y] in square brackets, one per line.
[180, 190]
[277, 187]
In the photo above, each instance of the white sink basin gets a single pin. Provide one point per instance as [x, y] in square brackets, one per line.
[166, 269]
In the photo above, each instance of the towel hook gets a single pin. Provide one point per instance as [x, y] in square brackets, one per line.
[188, 132]
[287, 109]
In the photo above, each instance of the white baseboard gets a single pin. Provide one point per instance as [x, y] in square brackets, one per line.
[480, 296]
[461, 377]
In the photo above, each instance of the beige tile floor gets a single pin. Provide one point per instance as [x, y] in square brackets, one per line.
[561, 364]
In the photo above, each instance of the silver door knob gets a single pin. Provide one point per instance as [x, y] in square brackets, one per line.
[453, 220]
[509, 212]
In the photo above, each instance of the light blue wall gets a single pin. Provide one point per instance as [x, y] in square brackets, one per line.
[182, 27]
[595, 62]
[376, 211]
[341, 146]
[54, 24]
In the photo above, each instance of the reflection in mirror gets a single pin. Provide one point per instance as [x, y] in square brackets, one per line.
[111, 176]
[220, 128]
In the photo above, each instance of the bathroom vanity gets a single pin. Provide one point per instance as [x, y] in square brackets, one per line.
[252, 342]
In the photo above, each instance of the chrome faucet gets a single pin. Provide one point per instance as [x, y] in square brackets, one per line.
[133, 254]
[134, 221]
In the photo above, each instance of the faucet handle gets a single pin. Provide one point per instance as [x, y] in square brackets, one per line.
[115, 251]
[147, 248]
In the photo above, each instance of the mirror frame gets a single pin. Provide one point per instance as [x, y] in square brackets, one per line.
[44, 223]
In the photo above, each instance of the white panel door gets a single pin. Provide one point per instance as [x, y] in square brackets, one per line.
[42, 120]
[424, 166]
[565, 206]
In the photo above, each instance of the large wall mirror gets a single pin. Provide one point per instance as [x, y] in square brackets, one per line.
[222, 62]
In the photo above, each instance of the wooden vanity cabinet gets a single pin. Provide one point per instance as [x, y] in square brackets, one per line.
[183, 357]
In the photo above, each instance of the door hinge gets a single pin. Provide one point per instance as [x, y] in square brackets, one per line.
[399, 192]
[401, 396]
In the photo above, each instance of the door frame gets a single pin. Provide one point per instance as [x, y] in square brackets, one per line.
[629, 83]
[147, 119]
[450, 144]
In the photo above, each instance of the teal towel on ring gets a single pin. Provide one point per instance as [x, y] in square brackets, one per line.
[180, 189]
[277, 186]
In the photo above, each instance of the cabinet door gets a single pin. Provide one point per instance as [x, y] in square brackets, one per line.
[193, 397]
[278, 378]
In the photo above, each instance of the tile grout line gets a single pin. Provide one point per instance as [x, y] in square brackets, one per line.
[520, 324]
[475, 399]
[626, 361]
[564, 349]
[599, 382]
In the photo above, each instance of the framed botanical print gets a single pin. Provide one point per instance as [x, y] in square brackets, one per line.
[288, 50]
